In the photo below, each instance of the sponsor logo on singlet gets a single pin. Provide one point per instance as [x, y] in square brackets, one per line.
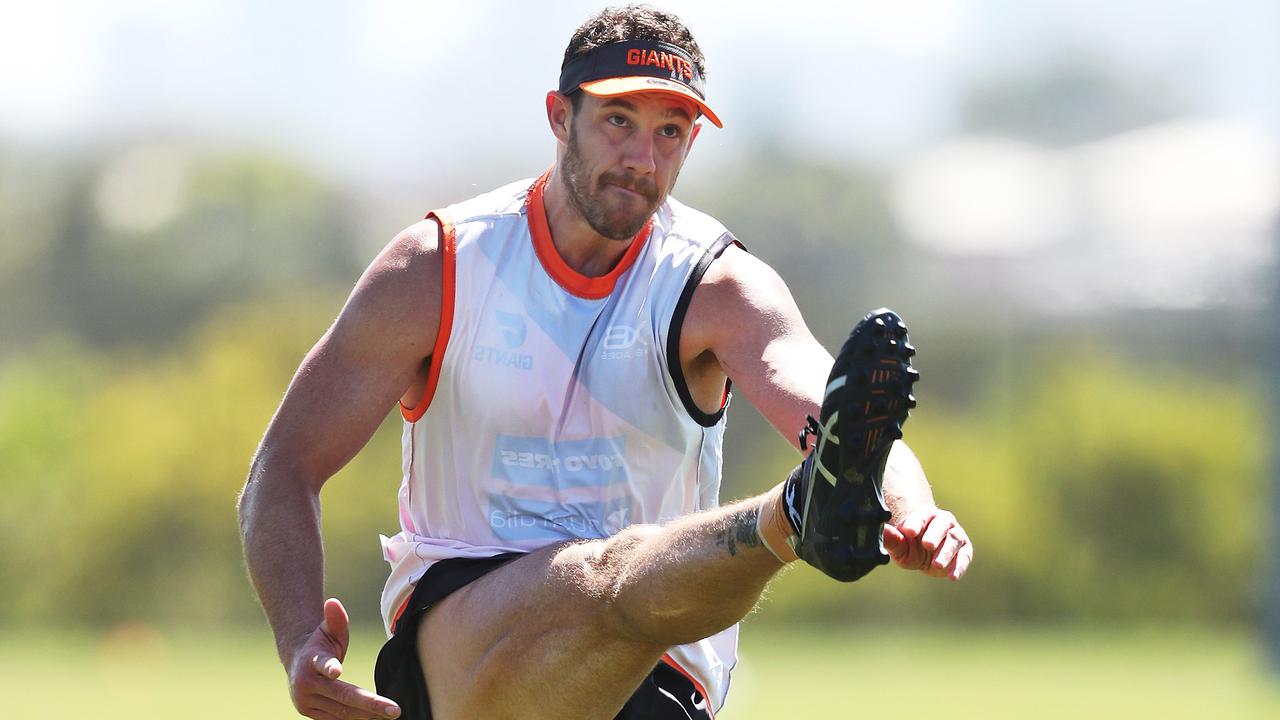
[620, 343]
[555, 488]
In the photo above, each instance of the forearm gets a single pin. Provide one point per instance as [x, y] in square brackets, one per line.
[691, 578]
[905, 485]
[280, 531]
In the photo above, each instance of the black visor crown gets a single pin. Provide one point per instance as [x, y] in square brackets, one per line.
[632, 58]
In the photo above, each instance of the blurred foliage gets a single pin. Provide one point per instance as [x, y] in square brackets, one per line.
[155, 303]
[1093, 489]
[122, 472]
[137, 245]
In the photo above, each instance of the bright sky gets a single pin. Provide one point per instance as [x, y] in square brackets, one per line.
[409, 100]
[385, 89]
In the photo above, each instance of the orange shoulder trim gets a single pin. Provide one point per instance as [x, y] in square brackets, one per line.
[591, 288]
[448, 287]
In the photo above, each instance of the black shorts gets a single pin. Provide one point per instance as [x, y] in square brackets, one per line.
[666, 694]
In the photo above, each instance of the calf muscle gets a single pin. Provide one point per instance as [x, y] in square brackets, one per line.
[689, 579]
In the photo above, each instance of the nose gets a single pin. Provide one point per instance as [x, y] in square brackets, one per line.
[638, 154]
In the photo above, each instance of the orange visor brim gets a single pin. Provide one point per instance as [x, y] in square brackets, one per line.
[610, 87]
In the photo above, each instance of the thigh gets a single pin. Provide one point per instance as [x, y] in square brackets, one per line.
[531, 639]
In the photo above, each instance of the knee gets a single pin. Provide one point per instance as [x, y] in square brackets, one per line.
[600, 568]
[605, 573]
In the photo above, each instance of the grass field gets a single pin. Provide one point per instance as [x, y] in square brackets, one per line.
[135, 672]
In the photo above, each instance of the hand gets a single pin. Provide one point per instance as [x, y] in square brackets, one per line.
[930, 540]
[313, 675]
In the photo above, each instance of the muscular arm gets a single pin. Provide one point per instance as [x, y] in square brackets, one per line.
[372, 354]
[743, 323]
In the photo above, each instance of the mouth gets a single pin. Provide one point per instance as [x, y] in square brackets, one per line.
[629, 191]
[640, 194]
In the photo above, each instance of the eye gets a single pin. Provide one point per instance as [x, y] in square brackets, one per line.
[616, 121]
[670, 131]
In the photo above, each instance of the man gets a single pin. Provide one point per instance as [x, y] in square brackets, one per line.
[561, 349]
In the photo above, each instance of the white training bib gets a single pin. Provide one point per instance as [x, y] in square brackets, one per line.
[555, 406]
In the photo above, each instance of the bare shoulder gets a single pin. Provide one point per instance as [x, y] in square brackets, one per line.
[399, 294]
[744, 324]
[739, 293]
[412, 255]
[372, 354]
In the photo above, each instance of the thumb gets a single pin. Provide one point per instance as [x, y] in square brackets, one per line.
[895, 542]
[337, 626]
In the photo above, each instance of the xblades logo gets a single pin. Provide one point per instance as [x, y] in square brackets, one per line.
[618, 342]
[513, 329]
[620, 337]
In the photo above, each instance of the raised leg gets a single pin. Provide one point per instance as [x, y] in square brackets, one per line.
[571, 630]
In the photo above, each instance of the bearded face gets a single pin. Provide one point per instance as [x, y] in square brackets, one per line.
[617, 202]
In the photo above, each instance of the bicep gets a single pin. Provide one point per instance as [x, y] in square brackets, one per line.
[747, 318]
[361, 366]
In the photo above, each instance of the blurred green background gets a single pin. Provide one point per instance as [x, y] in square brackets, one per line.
[1073, 207]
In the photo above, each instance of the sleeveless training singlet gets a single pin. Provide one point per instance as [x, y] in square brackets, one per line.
[555, 406]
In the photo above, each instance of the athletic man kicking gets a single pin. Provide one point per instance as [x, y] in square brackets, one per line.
[561, 349]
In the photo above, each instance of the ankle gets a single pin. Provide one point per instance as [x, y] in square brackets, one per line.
[773, 527]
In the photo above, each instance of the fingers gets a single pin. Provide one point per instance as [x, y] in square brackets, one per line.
[314, 684]
[318, 713]
[939, 523]
[905, 550]
[895, 543]
[953, 556]
[964, 556]
[932, 541]
[913, 524]
[323, 709]
[339, 699]
[327, 665]
[357, 700]
[946, 551]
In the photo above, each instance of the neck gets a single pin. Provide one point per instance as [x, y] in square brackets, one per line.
[582, 248]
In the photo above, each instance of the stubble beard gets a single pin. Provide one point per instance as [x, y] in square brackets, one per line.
[590, 201]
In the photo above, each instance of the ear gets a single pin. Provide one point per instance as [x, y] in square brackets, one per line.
[697, 128]
[559, 115]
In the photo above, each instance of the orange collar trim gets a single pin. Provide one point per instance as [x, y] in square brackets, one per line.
[591, 288]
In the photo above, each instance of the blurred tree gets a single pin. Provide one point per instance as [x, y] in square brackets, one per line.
[140, 243]
[1105, 492]
[126, 433]
[122, 473]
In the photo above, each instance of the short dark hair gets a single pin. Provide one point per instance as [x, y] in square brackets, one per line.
[631, 22]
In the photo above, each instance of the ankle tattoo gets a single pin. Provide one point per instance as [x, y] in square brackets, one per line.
[740, 531]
